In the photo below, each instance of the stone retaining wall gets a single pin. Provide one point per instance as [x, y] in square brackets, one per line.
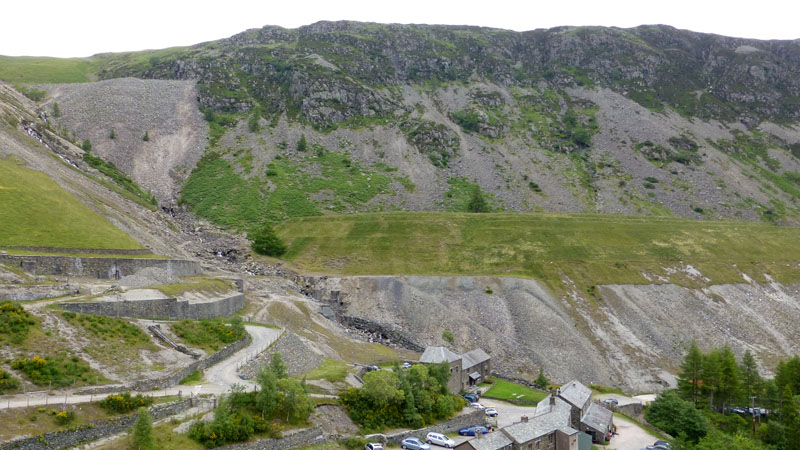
[94, 430]
[474, 417]
[83, 251]
[300, 438]
[103, 268]
[21, 293]
[162, 308]
[174, 378]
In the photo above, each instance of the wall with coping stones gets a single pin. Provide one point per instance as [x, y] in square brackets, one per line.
[474, 417]
[162, 308]
[174, 378]
[95, 430]
[103, 268]
[300, 438]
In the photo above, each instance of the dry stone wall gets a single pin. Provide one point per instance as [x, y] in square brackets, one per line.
[473, 417]
[301, 438]
[102, 268]
[95, 430]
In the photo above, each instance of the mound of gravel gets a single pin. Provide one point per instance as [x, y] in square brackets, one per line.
[296, 353]
[149, 276]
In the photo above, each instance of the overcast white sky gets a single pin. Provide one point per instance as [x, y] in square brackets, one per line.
[69, 28]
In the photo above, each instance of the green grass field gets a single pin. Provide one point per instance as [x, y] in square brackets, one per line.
[35, 211]
[589, 249]
[34, 69]
[507, 390]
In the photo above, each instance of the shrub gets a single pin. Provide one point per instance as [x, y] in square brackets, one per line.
[146, 136]
[302, 144]
[56, 110]
[58, 370]
[651, 179]
[113, 134]
[15, 321]
[447, 335]
[468, 120]
[64, 417]
[123, 403]
[87, 145]
[7, 382]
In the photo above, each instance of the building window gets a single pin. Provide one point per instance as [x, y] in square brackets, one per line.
[550, 438]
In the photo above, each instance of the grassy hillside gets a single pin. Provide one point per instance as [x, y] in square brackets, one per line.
[30, 69]
[589, 249]
[35, 211]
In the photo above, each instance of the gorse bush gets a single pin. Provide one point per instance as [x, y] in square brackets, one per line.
[58, 370]
[7, 382]
[107, 327]
[14, 322]
[125, 402]
[64, 417]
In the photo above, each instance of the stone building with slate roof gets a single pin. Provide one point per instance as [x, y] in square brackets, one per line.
[466, 370]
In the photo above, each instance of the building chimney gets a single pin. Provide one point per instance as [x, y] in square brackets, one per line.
[552, 400]
[524, 419]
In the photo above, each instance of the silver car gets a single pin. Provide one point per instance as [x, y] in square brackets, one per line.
[412, 443]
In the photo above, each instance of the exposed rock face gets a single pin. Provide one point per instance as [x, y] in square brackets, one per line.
[633, 336]
[566, 119]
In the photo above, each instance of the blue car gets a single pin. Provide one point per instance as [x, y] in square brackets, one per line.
[472, 431]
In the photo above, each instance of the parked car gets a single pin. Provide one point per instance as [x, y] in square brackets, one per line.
[491, 412]
[406, 365]
[610, 402]
[473, 431]
[477, 405]
[662, 445]
[472, 398]
[373, 446]
[440, 440]
[412, 443]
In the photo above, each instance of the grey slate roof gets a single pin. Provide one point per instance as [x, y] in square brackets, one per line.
[491, 441]
[435, 355]
[575, 393]
[561, 410]
[597, 418]
[524, 432]
[472, 358]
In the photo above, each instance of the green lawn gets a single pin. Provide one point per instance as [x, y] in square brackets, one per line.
[35, 211]
[589, 249]
[507, 390]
